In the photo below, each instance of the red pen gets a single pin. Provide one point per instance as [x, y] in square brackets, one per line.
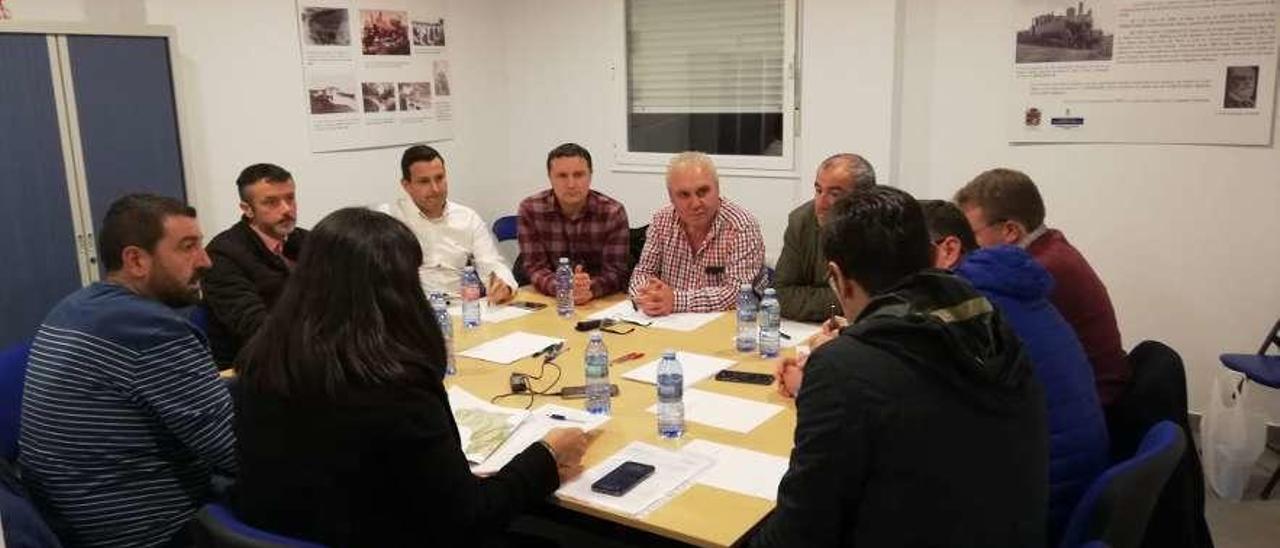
[628, 357]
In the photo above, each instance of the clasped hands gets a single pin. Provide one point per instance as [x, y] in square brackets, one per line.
[788, 372]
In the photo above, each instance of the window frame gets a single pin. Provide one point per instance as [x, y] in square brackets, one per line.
[783, 166]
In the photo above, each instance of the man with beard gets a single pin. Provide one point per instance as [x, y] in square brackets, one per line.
[252, 259]
[124, 416]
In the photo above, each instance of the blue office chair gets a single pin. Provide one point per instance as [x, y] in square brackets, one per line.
[219, 528]
[1264, 370]
[23, 525]
[505, 228]
[13, 373]
[1116, 508]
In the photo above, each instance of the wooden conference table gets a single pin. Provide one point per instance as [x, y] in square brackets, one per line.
[701, 515]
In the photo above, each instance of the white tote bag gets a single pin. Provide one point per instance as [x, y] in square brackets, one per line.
[1233, 437]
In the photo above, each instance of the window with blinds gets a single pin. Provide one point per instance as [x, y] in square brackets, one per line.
[709, 75]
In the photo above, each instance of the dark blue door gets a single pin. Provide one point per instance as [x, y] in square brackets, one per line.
[128, 125]
[37, 243]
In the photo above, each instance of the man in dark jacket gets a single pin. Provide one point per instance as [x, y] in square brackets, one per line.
[252, 259]
[921, 423]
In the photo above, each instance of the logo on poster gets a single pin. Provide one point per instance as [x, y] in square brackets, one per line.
[1032, 117]
[1067, 121]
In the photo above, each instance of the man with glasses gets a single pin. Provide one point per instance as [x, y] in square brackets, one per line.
[1003, 206]
[801, 271]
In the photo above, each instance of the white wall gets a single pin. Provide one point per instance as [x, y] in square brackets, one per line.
[1185, 237]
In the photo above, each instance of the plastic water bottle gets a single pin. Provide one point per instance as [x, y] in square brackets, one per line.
[597, 373]
[746, 339]
[441, 307]
[670, 396]
[564, 289]
[770, 324]
[470, 298]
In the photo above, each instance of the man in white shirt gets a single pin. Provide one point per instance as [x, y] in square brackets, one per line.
[450, 233]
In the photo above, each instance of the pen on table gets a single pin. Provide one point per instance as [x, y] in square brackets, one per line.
[559, 417]
[628, 357]
[784, 335]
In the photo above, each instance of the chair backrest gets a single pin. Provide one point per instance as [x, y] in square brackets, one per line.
[218, 527]
[1117, 506]
[1273, 338]
[505, 228]
[13, 373]
[22, 524]
[635, 242]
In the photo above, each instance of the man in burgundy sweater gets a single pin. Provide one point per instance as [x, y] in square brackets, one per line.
[1004, 207]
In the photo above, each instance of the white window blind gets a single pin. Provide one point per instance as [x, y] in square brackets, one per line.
[705, 56]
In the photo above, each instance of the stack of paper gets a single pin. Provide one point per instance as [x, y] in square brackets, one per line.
[483, 426]
[682, 321]
[672, 471]
[694, 367]
[492, 313]
[721, 411]
[798, 331]
[740, 470]
[541, 421]
[510, 347]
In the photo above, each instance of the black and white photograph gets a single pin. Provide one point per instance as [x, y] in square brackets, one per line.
[441, 70]
[379, 96]
[384, 32]
[1241, 87]
[428, 33]
[1059, 31]
[332, 94]
[415, 95]
[326, 26]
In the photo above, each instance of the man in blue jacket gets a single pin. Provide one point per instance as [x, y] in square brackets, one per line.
[1019, 287]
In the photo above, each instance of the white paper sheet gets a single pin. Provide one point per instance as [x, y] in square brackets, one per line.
[721, 411]
[751, 473]
[694, 367]
[482, 426]
[798, 331]
[534, 428]
[492, 313]
[681, 321]
[510, 348]
[672, 472]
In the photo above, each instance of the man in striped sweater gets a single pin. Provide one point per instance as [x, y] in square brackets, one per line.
[124, 417]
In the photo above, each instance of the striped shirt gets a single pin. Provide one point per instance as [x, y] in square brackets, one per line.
[706, 279]
[123, 419]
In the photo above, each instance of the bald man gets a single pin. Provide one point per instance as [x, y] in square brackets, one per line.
[699, 249]
[801, 278]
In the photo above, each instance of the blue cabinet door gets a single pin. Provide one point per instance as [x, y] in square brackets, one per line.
[127, 118]
[37, 241]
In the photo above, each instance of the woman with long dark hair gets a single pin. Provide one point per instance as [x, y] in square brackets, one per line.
[345, 432]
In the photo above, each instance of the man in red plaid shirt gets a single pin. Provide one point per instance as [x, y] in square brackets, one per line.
[571, 220]
[700, 249]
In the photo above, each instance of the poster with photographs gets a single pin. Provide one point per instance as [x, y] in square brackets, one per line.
[377, 72]
[1143, 71]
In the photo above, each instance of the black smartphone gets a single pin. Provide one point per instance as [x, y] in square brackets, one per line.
[579, 392]
[744, 377]
[528, 305]
[622, 479]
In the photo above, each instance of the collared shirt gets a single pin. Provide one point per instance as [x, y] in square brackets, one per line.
[447, 243]
[1027, 240]
[274, 245]
[597, 239]
[705, 279]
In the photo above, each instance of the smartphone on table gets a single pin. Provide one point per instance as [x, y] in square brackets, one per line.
[623, 479]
